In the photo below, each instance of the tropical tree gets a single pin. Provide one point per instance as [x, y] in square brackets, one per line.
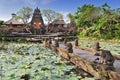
[24, 14]
[86, 15]
[49, 15]
[106, 6]
[99, 22]
[58, 16]
[117, 13]
[1, 22]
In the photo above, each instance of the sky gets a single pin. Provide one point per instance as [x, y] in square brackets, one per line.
[7, 7]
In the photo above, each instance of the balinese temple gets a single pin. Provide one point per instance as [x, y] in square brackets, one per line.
[37, 22]
[13, 22]
[57, 26]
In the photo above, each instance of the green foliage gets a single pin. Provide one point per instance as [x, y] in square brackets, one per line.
[40, 63]
[86, 15]
[50, 15]
[4, 33]
[58, 16]
[83, 33]
[98, 22]
[24, 14]
[2, 25]
[1, 22]
[75, 32]
[71, 17]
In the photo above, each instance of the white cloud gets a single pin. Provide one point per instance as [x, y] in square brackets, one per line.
[46, 1]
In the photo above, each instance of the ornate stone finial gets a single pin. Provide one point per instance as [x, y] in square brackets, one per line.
[96, 46]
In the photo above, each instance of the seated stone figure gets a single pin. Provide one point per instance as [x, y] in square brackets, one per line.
[69, 48]
[106, 58]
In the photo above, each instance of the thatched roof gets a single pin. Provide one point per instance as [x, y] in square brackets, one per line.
[13, 21]
[58, 22]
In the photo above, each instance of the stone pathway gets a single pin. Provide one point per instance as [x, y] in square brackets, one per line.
[90, 56]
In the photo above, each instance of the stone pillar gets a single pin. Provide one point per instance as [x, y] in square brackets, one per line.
[65, 41]
[96, 46]
[56, 43]
[76, 42]
[49, 41]
[69, 48]
[45, 39]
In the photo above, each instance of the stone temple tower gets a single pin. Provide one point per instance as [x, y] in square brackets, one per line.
[37, 22]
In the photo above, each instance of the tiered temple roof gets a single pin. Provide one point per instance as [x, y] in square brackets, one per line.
[37, 20]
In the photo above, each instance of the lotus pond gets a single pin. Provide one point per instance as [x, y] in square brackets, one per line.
[31, 60]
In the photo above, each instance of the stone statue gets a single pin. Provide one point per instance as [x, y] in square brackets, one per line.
[69, 48]
[55, 43]
[49, 41]
[106, 58]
